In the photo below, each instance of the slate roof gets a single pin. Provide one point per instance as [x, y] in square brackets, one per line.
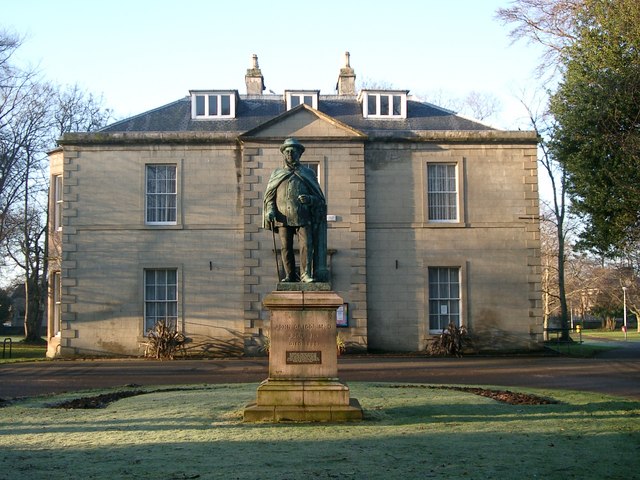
[254, 110]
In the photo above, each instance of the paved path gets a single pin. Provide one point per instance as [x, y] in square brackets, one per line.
[615, 374]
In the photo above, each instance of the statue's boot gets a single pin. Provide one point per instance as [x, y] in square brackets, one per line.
[307, 278]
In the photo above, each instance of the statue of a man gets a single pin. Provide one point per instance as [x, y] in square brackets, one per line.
[294, 204]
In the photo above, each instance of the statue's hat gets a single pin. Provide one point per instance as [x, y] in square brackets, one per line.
[292, 142]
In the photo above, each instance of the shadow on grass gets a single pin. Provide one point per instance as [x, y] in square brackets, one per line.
[407, 433]
[406, 415]
[410, 454]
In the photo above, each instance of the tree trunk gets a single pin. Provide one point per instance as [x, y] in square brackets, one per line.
[564, 310]
[33, 310]
[546, 300]
[610, 323]
[636, 313]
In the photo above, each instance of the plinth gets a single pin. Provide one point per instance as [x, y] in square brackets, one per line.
[303, 382]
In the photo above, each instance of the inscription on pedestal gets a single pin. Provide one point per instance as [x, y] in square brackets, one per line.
[301, 335]
[304, 358]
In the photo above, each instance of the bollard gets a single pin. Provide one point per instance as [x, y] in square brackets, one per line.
[4, 347]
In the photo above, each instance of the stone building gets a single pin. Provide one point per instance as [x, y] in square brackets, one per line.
[432, 218]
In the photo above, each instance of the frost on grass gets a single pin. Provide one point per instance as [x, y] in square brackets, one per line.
[411, 432]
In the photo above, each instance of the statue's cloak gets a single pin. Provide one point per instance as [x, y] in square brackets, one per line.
[279, 175]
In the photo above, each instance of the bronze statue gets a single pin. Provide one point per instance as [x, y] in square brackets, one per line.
[294, 204]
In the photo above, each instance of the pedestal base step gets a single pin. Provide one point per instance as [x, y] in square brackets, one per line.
[292, 413]
[303, 392]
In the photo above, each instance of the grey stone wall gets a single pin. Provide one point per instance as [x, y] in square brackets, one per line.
[495, 243]
[380, 240]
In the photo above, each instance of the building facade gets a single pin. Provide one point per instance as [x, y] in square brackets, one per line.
[432, 218]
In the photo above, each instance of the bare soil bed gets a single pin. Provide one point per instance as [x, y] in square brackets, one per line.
[504, 396]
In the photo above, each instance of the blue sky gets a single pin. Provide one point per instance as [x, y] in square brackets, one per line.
[142, 54]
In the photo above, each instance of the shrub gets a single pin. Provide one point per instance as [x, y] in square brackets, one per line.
[451, 341]
[164, 341]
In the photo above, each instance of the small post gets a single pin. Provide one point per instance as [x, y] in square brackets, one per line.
[4, 346]
[624, 314]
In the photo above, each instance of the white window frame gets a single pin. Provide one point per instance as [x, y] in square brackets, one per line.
[379, 96]
[444, 193]
[167, 195]
[58, 202]
[56, 288]
[163, 297]
[441, 301]
[291, 95]
[313, 165]
[208, 97]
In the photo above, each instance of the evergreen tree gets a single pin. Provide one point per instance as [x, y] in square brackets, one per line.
[597, 109]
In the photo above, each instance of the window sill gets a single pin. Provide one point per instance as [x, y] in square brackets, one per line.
[163, 226]
[218, 117]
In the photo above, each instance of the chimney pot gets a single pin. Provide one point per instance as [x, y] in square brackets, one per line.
[254, 79]
[347, 79]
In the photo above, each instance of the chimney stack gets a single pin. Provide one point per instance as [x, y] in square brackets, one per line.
[347, 78]
[254, 79]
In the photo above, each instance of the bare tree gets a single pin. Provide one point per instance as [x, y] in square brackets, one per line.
[480, 105]
[581, 290]
[26, 248]
[549, 260]
[442, 98]
[556, 208]
[475, 104]
[550, 23]
[630, 279]
[16, 86]
[607, 302]
[27, 136]
[33, 114]
[76, 110]
[371, 84]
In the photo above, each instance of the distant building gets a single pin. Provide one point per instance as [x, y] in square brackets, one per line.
[433, 218]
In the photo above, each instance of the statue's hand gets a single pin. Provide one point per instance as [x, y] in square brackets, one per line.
[304, 199]
[271, 216]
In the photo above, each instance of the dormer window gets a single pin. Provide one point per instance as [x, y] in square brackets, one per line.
[384, 103]
[298, 97]
[213, 104]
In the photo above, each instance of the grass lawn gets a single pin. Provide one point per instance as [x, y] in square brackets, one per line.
[408, 433]
[17, 351]
[617, 335]
[592, 342]
[579, 350]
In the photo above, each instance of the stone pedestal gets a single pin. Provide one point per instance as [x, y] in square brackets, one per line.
[303, 380]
